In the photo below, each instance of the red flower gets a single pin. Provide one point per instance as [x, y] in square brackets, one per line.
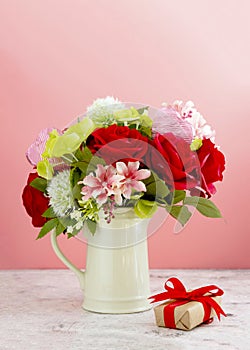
[172, 160]
[35, 202]
[116, 143]
[212, 163]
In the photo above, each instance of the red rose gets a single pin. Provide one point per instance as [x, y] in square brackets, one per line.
[212, 163]
[172, 160]
[116, 143]
[35, 202]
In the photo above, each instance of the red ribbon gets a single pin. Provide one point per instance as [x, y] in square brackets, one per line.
[176, 290]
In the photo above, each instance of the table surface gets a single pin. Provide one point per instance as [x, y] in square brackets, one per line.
[41, 309]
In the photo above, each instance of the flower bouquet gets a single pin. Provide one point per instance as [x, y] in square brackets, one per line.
[119, 155]
[106, 175]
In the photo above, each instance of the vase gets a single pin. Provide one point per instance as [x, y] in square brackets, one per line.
[116, 278]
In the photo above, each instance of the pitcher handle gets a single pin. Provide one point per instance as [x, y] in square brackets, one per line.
[80, 274]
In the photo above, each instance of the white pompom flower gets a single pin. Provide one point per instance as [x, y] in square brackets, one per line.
[60, 194]
[102, 109]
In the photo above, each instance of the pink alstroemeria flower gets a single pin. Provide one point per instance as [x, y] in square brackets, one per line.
[104, 184]
[132, 177]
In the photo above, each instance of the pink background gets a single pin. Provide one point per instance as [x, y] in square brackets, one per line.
[59, 55]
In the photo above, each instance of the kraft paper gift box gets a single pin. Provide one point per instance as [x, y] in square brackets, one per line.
[184, 309]
[186, 316]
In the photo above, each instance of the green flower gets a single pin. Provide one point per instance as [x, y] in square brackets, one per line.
[53, 136]
[58, 145]
[45, 169]
[127, 115]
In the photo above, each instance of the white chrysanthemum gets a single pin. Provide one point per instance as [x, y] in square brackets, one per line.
[59, 191]
[103, 108]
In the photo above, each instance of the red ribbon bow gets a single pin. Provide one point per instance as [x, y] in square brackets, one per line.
[178, 292]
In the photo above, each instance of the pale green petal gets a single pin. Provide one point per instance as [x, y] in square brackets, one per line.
[53, 135]
[72, 138]
[146, 121]
[45, 169]
[83, 129]
[127, 115]
[66, 144]
[196, 144]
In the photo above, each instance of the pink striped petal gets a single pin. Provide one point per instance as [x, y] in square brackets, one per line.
[142, 174]
[138, 186]
[91, 181]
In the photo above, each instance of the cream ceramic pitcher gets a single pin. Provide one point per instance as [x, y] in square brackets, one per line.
[116, 278]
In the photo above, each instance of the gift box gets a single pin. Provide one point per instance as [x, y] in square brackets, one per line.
[187, 309]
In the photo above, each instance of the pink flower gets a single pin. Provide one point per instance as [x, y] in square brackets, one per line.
[113, 183]
[106, 183]
[168, 120]
[189, 113]
[34, 152]
[132, 177]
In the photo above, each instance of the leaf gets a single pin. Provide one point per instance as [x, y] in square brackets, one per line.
[179, 195]
[91, 226]
[79, 154]
[87, 154]
[93, 164]
[49, 213]
[76, 192]
[204, 206]
[155, 187]
[39, 183]
[145, 209]
[59, 228]
[75, 176]
[180, 213]
[88, 162]
[47, 227]
[83, 166]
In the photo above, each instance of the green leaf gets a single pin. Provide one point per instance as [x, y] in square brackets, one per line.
[59, 228]
[88, 162]
[145, 209]
[49, 213]
[76, 192]
[91, 226]
[47, 227]
[39, 183]
[83, 166]
[75, 176]
[204, 206]
[181, 213]
[87, 154]
[156, 188]
[179, 195]
[94, 162]
[79, 154]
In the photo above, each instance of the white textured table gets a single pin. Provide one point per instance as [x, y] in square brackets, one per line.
[41, 309]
